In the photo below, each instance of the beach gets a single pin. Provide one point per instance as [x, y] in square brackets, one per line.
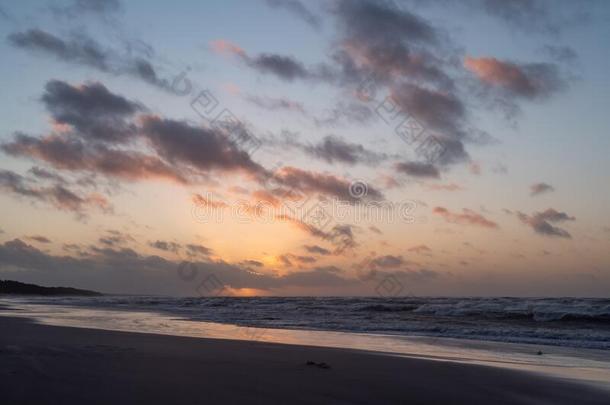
[67, 365]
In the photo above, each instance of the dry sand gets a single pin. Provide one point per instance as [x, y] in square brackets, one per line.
[60, 365]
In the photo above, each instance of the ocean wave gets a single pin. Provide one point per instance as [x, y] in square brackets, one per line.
[576, 322]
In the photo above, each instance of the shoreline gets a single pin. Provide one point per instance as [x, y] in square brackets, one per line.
[587, 366]
[73, 365]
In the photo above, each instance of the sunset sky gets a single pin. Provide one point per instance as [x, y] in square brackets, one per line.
[285, 147]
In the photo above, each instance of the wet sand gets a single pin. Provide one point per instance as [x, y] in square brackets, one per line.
[42, 364]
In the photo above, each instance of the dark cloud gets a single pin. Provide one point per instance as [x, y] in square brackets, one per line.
[58, 196]
[371, 21]
[82, 50]
[397, 50]
[165, 246]
[318, 250]
[254, 263]
[79, 50]
[540, 188]
[115, 238]
[77, 7]
[542, 222]
[126, 271]
[201, 148]
[466, 217]
[284, 67]
[418, 169]
[521, 13]
[345, 113]
[387, 262]
[91, 110]
[537, 16]
[75, 155]
[275, 104]
[341, 236]
[381, 267]
[560, 53]
[38, 238]
[198, 250]
[289, 259]
[420, 249]
[298, 9]
[440, 111]
[328, 276]
[44, 174]
[333, 149]
[309, 182]
[4, 14]
[94, 121]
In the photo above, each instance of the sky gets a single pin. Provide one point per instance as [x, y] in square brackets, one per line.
[286, 147]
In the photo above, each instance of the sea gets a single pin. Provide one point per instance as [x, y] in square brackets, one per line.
[567, 322]
[562, 337]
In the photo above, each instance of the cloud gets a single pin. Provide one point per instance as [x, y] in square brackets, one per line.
[115, 238]
[341, 236]
[207, 202]
[165, 246]
[80, 49]
[309, 182]
[94, 121]
[79, 7]
[57, 195]
[75, 155]
[289, 258]
[542, 222]
[537, 16]
[387, 262]
[419, 249]
[38, 238]
[318, 250]
[540, 188]
[198, 250]
[466, 217]
[276, 104]
[126, 271]
[559, 53]
[91, 110]
[201, 148]
[382, 267]
[530, 81]
[443, 187]
[304, 226]
[333, 149]
[394, 49]
[376, 230]
[46, 175]
[298, 9]
[345, 113]
[254, 263]
[418, 169]
[284, 67]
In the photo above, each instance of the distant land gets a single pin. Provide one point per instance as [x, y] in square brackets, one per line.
[17, 288]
